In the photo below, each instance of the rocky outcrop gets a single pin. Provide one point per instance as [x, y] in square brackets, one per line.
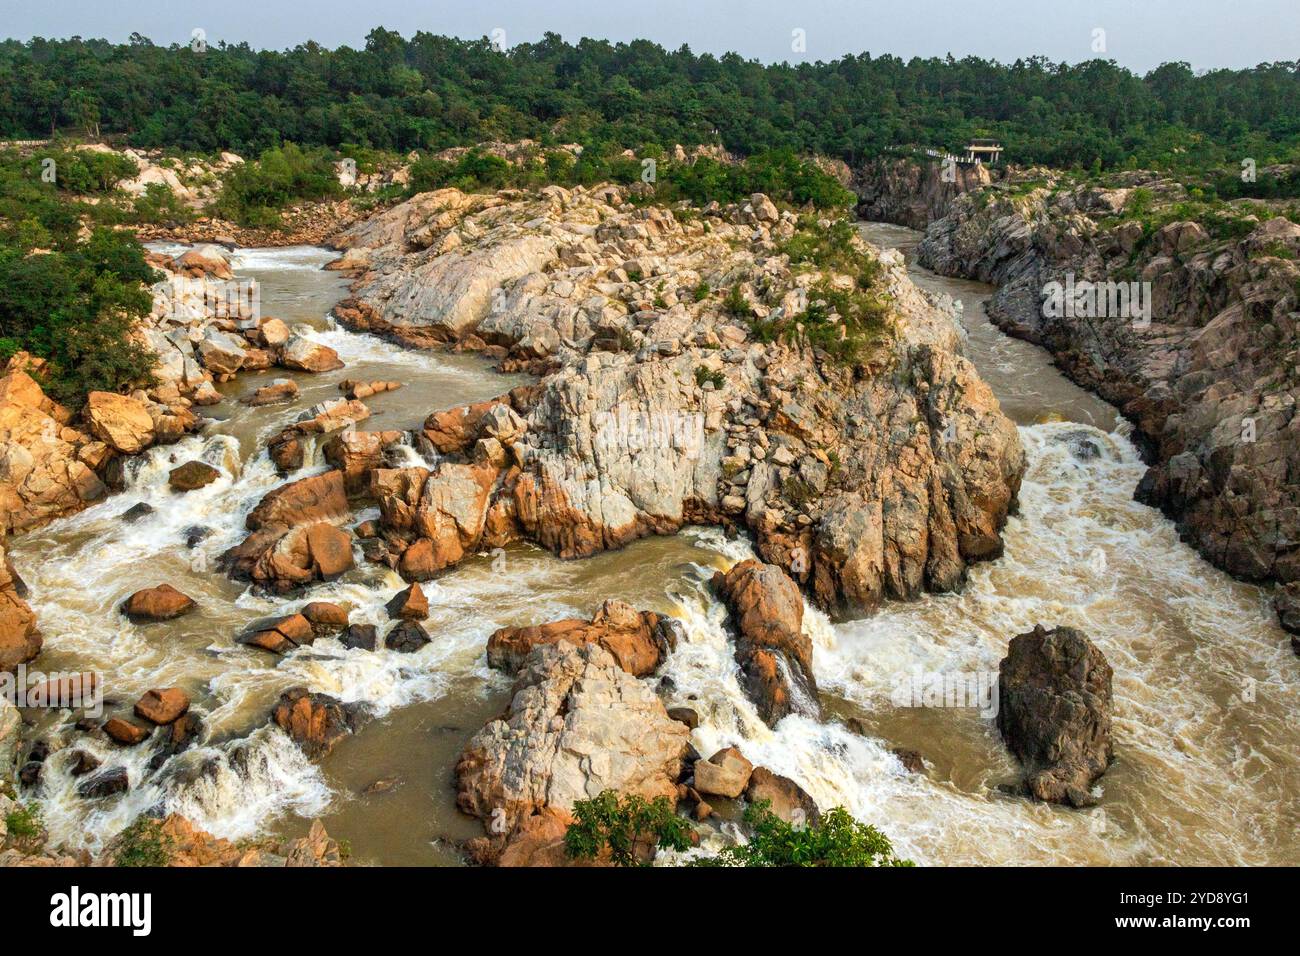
[1054, 694]
[47, 467]
[637, 640]
[578, 724]
[20, 641]
[1207, 375]
[913, 193]
[294, 539]
[774, 654]
[661, 408]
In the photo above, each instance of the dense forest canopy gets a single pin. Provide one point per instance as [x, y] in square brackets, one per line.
[434, 92]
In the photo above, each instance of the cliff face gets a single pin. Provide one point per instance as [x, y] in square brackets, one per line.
[1208, 374]
[910, 193]
[660, 406]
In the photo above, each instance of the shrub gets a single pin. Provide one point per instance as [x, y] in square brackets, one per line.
[620, 823]
[836, 840]
[253, 194]
[143, 843]
[24, 824]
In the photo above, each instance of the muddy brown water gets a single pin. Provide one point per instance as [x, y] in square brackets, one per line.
[1205, 687]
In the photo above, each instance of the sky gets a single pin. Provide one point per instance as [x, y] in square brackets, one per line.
[1139, 34]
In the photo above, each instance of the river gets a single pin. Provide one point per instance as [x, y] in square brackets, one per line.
[1205, 685]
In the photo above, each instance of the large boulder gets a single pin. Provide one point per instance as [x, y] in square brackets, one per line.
[578, 724]
[306, 501]
[774, 654]
[306, 355]
[638, 640]
[161, 603]
[1054, 712]
[785, 798]
[46, 467]
[120, 421]
[19, 639]
[725, 774]
[315, 722]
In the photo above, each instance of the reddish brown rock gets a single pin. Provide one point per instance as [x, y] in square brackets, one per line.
[161, 603]
[409, 604]
[163, 706]
[283, 635]
[455, 430]
[120, 421]
[638, 640]
[19, 639]
[774, 654]
[192, 475]
[325, 618]
[315, 722]
[125, 732]
[306, 501]
[785, 798]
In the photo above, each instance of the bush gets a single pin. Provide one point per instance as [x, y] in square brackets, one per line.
[620, 823]
[836, 840]
[24, 824]
[142, 844]
[253, 194]
[75, 306]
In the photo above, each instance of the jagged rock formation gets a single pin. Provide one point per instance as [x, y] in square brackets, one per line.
[1210, 381]
[911, 193]
[660, 407]
[637, 640]
[1054, 711]
[578, 724]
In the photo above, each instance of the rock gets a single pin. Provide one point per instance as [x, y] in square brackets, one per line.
[774, 654]
[83, 763]
[636, 639]
[725, 774]
[315, 722]
[1287, 604]
[161, 603]
[120, 422]
[221, 353]
[409, 605]
[11, 723]
[306, 501]
[106, 784]
[305, 355]
[205, 260]
[286, 451]
[787, 799]
[281, 390]
[192, 475]
[685, 715]
[1055, 712]
[178, 736]
[19, 639]
[125, 732]
[136, 512]
[504, 424]
[188, 846]
[538, 841]
[332, 415]
[324, 617]
[911, 760]
[453, 431]
[47, 469]
[363, 636]
[163, 706]
[406, 637]
[281, 636]
[578, 724]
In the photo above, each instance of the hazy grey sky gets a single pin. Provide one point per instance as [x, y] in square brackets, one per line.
[1140, 34]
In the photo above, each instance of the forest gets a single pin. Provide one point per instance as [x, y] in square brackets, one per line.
[433, 92]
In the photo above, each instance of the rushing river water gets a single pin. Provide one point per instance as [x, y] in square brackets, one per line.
[1205, 687]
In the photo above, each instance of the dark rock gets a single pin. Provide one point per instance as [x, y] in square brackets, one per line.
[157, 604]
[83, 763]
[192, 475]
[409, 604]
[196, 534]
[364, 636]
[685, 715]
[29, 775]
[125, 732]
[406, 637]
[136, 512]
[787, 799]
[105, 784]
[1055, 712]
[910, 759]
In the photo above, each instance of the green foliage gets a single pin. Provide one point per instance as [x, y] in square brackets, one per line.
[701, 291]
[86, 171]
[704, 374]
[430, 92]
[253, 193]
[836, 840]
[24, 823]
[620, 822]
[160, 205]
[143, 843]
[75, 305]
[736, 304]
